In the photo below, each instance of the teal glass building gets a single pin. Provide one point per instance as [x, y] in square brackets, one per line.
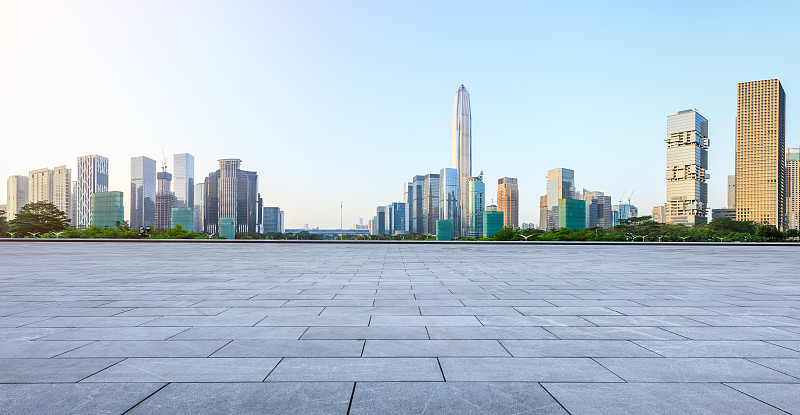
[183, 216]
[107, 209]
[444, 229]
[227, 228]
[571, 214]
[475, 207]
[492, 222]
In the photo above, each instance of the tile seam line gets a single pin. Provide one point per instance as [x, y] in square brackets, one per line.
[352, 395]
[554, 398]
[749, 359]
[612, 372]
[146, 398]
[273, 369]
[747, 394]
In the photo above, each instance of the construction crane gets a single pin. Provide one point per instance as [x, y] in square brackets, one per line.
[164, 158]
[622, 198]
[629, 197]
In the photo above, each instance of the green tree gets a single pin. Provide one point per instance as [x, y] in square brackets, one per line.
[38, 218]
[4, 228]
[770, 233]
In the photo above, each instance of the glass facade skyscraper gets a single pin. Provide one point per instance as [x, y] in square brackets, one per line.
[462, 149]
[273, 219]
[560, 185]
[183, 179]
[199, 206]
[165, 200]
[793, 187]
[107, 209]
[448, 198]
[475, 206]
[231, 193]
[16, 196]
[430, 203]
[92, 178]
[687, 163]
[508, 201]
[416, 216]
[143, 192]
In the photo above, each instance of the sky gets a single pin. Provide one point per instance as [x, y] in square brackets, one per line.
[345, 101]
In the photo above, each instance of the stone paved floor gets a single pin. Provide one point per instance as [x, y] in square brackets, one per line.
[388, 329]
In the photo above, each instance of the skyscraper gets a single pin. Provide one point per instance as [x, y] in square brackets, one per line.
[462, 150]
[62, 190]
[165, 200]
[475, 206]
[231, 193]
[430, 203]
[40, 185]
[560, 185]
[273, 219]
[731, 191]
[16, 196]
[199, 206]
[508, 201]
[543, 210]
[448, 198]
[598, 209]
[793, 187]
[416, 217]
[92, 178]
[687, 163]
[761, 152]
[183, 179]
[107, 209]
[143, 192]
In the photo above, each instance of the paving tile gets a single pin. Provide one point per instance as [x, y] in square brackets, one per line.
[654, 398]
[433, 348]
[567, 311]
[360, 369]
[172, 311]
[613, 333]
[789, 366]
[424, 321]
[249, 398]
[366, 333]
[643, 321]
[147, 348]
[664, 311]
[748, 321]
[37, 349]
[734, 333]
[91, 322]
[185, 370]
[519, 320]
[488, 333]
[115, 333]
[74, 398]
[291, 348]
[520, 369]
[575, 348]
[370, 311]
[331, 321]
[782, 396]
[692, 370]
[244, 333]
[468, 311]
[703, 348]
[50, 370]
[456, 398]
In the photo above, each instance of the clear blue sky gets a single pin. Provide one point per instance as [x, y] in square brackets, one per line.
[339, 100]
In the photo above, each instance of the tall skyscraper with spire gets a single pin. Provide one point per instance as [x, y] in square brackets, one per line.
[462, 153]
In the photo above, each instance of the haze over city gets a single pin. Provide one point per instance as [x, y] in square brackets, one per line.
[347, 101]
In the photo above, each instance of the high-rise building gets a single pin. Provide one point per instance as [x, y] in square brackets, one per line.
[199, 206]
[448, 198]
[16, 196]
[231, 193]
[623, 211]
[508, 201]
[731, 191]
[598, 209]
[543, 210]
[430, 203]
[475, 206]
[659, 214]
[687, 165]
[760, 153]
[183, 217]
[793, 187]
[143, 192]
[396, 218]
[443, 230]
[73, 216]
[107, 209]
[92, 178]
[380, 224]
[560, 185]
[62, 190]
[40, 185]
[273, 219]
[571, 214]
[183, 179]
[165, 200]
[416, 216]
[462, 150]
[492, 221]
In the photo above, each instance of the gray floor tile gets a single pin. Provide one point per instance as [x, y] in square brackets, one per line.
[734, 333]
[699, 348]
[73, 399]
[424, 321]
[292, 348]
[519, 369]
[433, 348]
[654, 398]
[115, 333]
[37, 349]
[147, 348]
[488, 333]
[613, 333]
[781, 396]
[456, 398]
[575, 348]
[789, 366]
[366, 333]
[643, 321]
[244, 333]
[692, 370]
[50, 370]
[357, 370]
[330, 321]
[186, 370]
[541, 321]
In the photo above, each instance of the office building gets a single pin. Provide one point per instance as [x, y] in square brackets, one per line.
[92, 178]
[183, 217]
[380, 223]
[416, 215]
[183, 179]
[543, 210]
[165, 200]
[462, 151]
[227, 228]
[443, 230]
[142, 208]
[475, 206]
[572, 214]
[396, 217]
[62, 190]
[723, 213]
[492, 222]
[508, 201]
[430, 203]
[107, 209]
[16, 196]
[231, 193]
[760, 153]
[74, 215]
[793, 188]
[659, 214]
[732, 191]
[598, 209]
[448, 198]
[623, 211]
[40, 185]
[560, 185]
[272, 219]
[687, 165]
[199, 206]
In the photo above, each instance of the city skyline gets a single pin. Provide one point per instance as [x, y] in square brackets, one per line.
[527, 118]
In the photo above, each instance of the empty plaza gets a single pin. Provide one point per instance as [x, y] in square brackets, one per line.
[372, 328]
